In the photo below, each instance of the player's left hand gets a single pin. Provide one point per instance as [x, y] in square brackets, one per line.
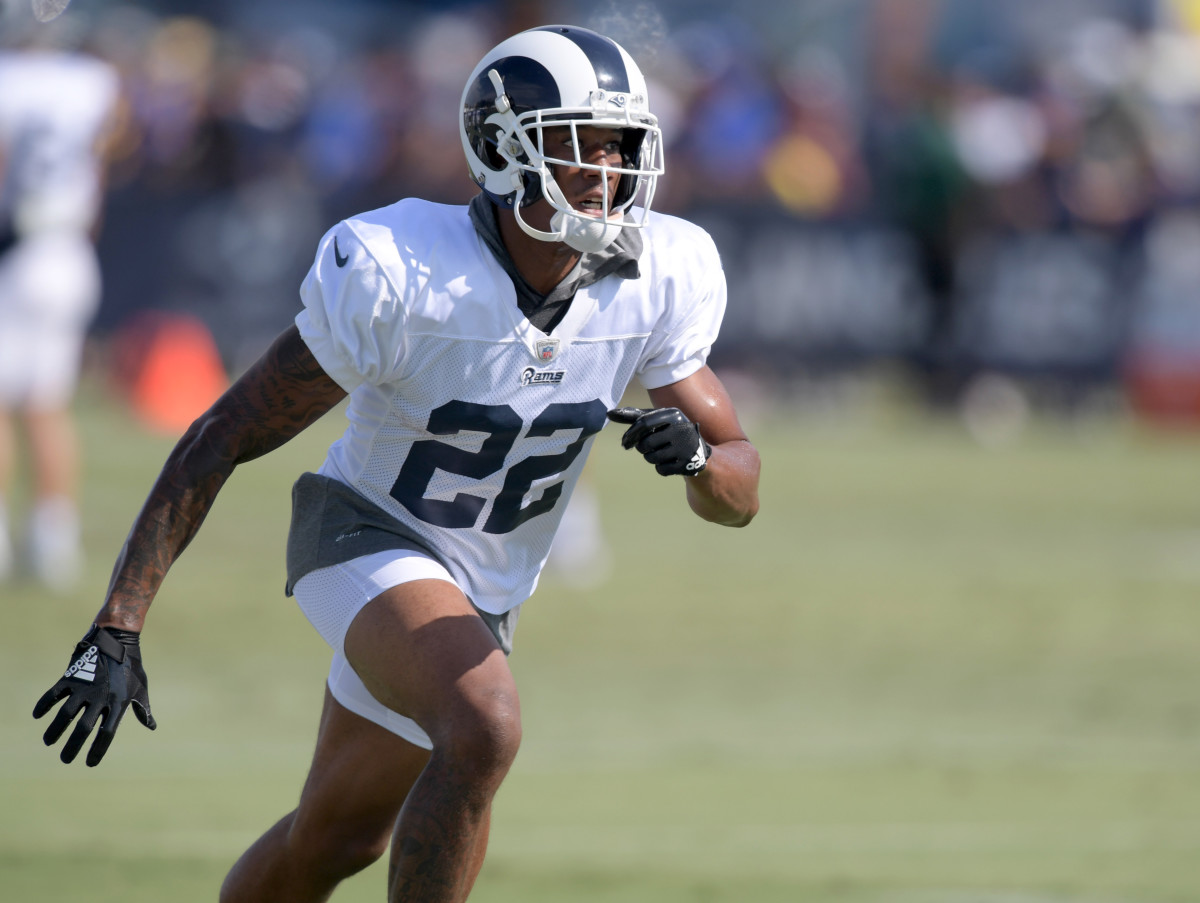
[105, 677]
[665, 438]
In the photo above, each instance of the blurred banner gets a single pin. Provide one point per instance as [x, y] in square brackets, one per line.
[961, 187]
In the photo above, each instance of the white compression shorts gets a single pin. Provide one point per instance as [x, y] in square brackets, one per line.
[331, 597]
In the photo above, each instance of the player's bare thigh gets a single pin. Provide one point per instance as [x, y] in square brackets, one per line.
[423, 651]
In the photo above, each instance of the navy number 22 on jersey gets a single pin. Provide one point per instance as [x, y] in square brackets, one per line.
[503, 427]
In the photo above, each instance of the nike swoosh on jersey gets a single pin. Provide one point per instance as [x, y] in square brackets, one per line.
[338, 257]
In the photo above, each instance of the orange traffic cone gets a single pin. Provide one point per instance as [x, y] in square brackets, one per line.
[171, 369]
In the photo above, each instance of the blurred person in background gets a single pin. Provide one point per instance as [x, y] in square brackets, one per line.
[483, 346]
[916, 177]
[56, 105]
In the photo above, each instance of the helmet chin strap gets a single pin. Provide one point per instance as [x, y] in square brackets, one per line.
[586, 234]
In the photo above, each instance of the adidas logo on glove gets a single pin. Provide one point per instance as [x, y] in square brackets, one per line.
[84, 667]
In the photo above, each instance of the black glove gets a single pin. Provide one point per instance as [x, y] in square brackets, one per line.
[105, 677]
[665, 438]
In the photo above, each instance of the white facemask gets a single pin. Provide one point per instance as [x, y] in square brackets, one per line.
[586, 234]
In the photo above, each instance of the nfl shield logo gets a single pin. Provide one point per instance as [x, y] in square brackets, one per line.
[547, 349]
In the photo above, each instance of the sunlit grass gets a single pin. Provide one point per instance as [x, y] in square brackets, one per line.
[928, 673]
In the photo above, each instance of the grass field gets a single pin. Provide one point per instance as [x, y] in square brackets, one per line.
[928, 673]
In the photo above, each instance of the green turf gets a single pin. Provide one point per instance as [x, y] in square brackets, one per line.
[929, 673]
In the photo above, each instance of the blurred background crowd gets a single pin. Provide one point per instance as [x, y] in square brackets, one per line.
[950, 188]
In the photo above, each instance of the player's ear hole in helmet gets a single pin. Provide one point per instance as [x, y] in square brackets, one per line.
[560, 75]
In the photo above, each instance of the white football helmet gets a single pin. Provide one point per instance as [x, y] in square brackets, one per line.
[560, 75]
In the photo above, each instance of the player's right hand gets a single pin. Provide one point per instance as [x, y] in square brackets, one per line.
[105, 677]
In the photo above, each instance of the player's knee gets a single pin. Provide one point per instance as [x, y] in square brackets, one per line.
[356, 852]
[482, 735]
[341, 850]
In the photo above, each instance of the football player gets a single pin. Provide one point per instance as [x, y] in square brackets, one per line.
[483, 348]
[56, 107]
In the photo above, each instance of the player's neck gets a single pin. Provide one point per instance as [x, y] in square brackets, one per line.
[543, 264]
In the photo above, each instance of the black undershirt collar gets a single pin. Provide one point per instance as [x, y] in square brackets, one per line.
[546, 311]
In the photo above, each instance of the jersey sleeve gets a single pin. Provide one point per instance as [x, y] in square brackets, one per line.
[353, 319]
[694, 295]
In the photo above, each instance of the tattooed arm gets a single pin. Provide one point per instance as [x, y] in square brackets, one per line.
[284, 392]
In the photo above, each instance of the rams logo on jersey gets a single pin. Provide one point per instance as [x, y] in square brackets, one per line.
[531, 376]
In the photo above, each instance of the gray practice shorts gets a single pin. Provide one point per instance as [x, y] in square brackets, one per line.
[330, 598]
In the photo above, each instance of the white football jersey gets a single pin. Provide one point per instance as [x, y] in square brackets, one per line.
[53, 107]
[467, 423]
